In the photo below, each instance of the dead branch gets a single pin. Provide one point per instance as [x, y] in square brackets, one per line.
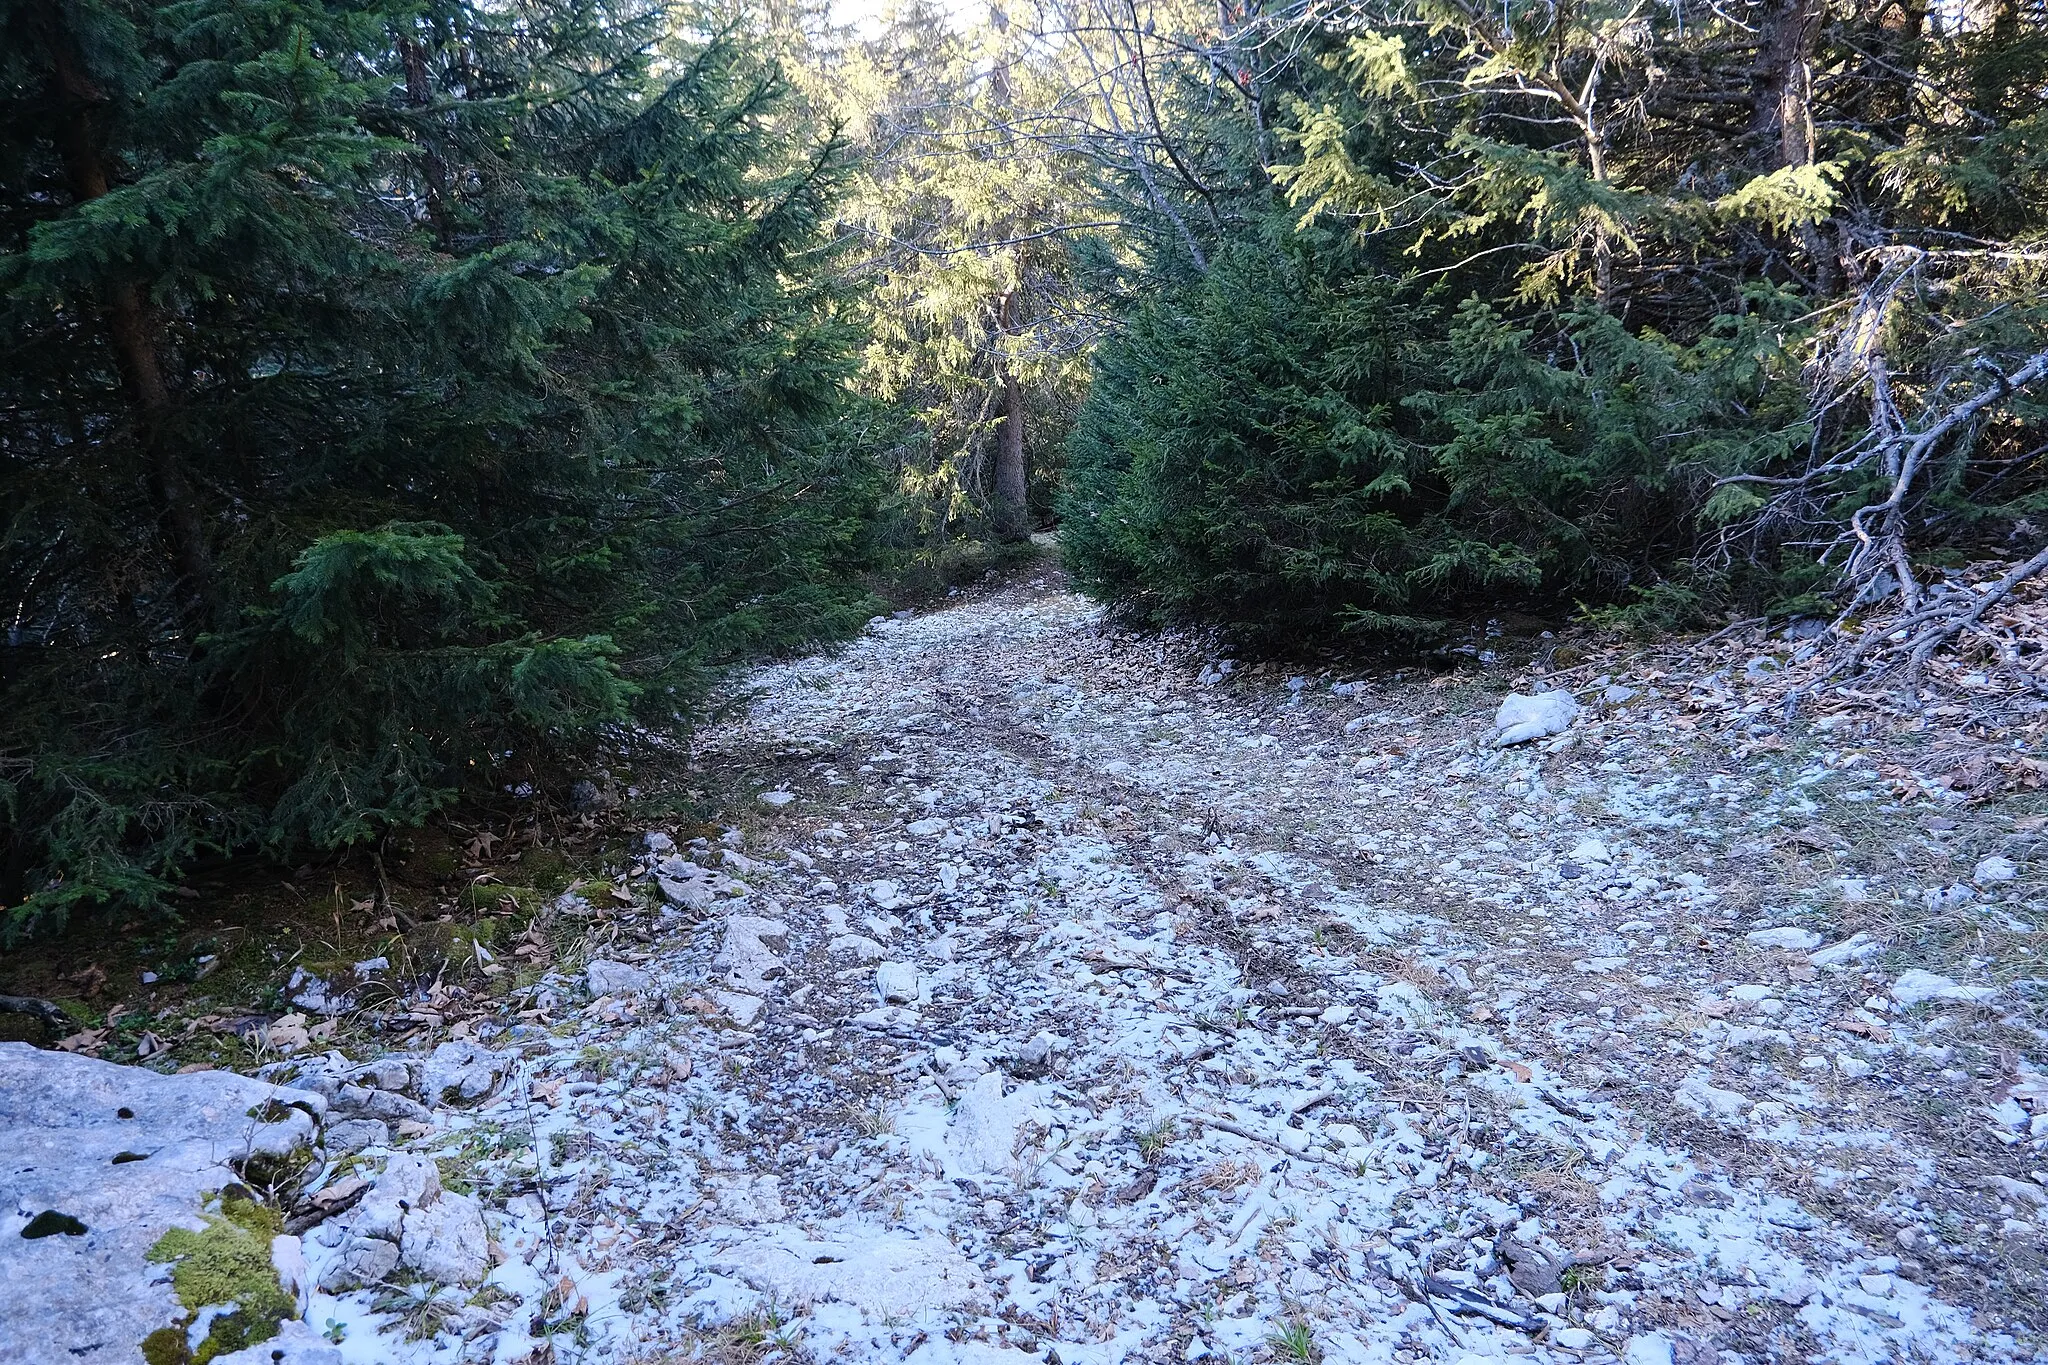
[54, 1018]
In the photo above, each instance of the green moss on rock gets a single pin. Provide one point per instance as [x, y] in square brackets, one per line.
[228, 1261]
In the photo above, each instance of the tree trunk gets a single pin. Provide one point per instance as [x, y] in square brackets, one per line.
[1781, 109]
[419, 92]
[1603, 241]
[1781, 83]
[133, 332]
[1012, 511]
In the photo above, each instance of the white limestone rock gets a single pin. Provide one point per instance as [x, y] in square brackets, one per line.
[1521, 719]
[91, 1297]
[1789, 937]
[461, 1074]
[896, 983]
[294, 1344]
[1918, 986]
[606, 977]
[889, 1274]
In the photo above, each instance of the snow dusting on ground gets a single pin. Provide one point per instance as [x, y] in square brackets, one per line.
[1061, 996]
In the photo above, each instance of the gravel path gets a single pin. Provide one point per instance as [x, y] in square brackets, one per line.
[1060, 998]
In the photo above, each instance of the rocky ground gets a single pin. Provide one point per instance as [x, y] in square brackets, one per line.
[1064, 995]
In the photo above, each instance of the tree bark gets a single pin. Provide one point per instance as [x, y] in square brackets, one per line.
[1781, 84]
[1012, 510]
[1782, 107]
[134, 334]
[419, 92]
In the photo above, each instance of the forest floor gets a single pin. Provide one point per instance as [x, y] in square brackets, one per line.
[1059, 994]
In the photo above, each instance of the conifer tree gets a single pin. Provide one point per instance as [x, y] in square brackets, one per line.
[394, 395]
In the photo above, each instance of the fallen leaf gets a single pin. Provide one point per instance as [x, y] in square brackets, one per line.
[86, 1040]
[1521, 1072]
[337, 1194]
[288, 1033]
[1863, 1028]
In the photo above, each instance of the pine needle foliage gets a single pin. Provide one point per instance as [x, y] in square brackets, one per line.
[1652, 309]
[395, 393]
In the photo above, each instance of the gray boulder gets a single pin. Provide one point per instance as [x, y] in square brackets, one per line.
[124, 1154]
[406, 1219]
[461, 1073]
[358, 1101]
[353, 1135]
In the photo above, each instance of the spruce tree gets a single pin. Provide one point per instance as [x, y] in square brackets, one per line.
[395, 394]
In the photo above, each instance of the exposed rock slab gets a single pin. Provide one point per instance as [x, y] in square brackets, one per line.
[71, 1129]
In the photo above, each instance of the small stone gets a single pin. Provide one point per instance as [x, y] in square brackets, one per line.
[1521, 719]
[1918, 986]
[1855, 1068]
[1574, 1338]
[896, 983]
[1788, 937]
[1994, 869]
[927, 827]
[616, 978]
[1591, 851]
[1337, 1014]
[776, 800]
[659, 843]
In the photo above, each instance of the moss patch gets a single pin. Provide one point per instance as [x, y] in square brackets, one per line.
[226, 1262]
[166, 1346]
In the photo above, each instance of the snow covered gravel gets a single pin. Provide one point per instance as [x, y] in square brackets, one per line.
[1066, 999]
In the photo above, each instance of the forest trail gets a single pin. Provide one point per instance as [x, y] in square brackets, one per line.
[1063, 1000]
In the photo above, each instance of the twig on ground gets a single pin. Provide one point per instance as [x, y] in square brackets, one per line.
[54, 1018]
